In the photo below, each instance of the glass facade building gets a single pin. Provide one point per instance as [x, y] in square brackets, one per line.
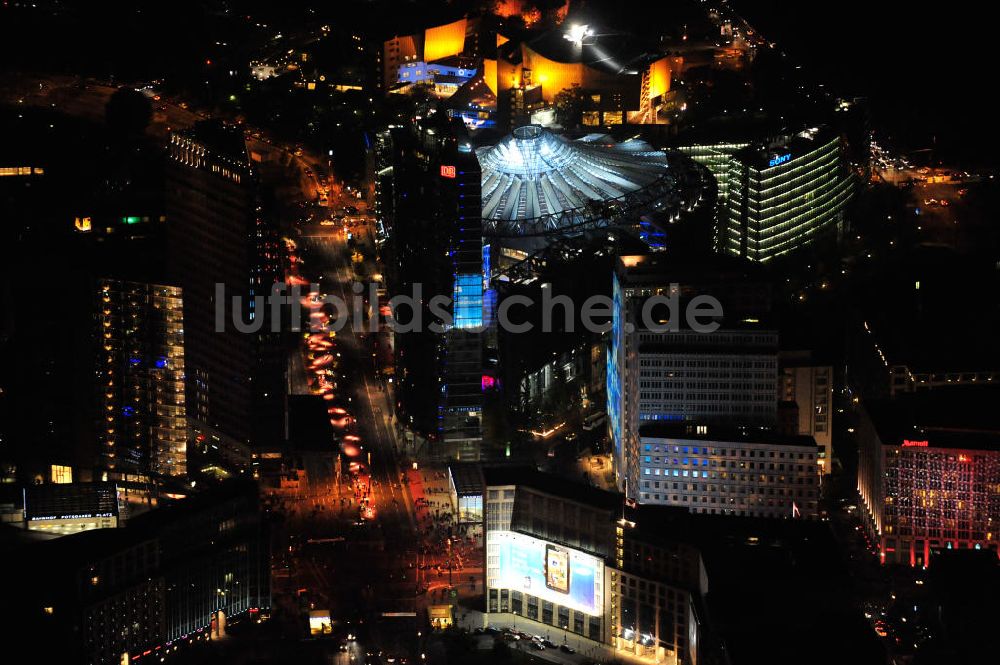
[462, 399]
[781, 197]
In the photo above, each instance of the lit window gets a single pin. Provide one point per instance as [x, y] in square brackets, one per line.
[62, 474]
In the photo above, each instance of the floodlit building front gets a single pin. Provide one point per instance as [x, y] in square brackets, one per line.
[575, 565]
[619, 80]
[929, 474]
[433, 43]
[563, 562]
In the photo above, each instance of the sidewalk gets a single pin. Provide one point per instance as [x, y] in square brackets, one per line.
[586, 649]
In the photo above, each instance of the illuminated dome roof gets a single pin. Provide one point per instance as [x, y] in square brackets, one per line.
[537, 183]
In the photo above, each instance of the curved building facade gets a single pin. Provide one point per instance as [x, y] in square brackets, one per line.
[781, 197]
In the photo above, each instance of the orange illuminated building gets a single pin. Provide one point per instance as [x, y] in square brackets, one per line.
[617, 90]
[433, 44]
[490, 74]
[444, 40]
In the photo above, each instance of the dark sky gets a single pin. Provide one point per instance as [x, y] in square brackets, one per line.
[929, 69]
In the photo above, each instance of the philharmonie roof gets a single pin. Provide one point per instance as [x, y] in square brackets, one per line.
[535, 182]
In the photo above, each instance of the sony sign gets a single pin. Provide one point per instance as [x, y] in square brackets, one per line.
[780, 159]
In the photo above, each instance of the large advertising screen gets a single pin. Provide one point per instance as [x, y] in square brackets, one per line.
[555, 573]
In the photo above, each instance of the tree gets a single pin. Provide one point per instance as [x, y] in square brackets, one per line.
[569, 103]
[128, 113]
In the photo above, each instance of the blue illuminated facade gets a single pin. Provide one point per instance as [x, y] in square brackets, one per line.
[468, 301]
[421, 72]
[616, 349]
[683, 376]
[460, 411]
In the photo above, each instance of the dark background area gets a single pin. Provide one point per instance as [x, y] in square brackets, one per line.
[928, 69]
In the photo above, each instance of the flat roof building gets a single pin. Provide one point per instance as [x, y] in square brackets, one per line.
[654, 584]
[123, 595]
[673, 373]
[67, 508]
[729, 471]
[929, 473]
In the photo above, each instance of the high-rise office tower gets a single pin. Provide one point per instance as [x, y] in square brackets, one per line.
[462, 397]
[727, 376]
[784, 194]
[88, 403]
[433, 216]
[775, 194]
[221, 246]
[140, 334]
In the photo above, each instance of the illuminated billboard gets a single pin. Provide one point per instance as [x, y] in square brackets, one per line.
[552, 572]
[320, 623]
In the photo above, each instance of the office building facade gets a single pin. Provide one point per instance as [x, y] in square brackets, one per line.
[926, 487]
[716, 157]
[727, 471]
[140, 330]
[547, 544]
[656, 591]
[225, 260]
[783, 195]
[60, 509]
[173, 576]
[566, 557]
[809, 387]
[675, 586]
[723, 377]
[461, 409]
[429, 206]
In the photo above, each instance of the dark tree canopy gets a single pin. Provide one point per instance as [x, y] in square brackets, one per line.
[128, 113]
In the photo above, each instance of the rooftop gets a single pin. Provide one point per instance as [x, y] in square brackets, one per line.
[533, 174]
[963, 417]
[467, 478]
[610, 51]
[221, 139]
[773, 585]
[785, 148]
[528, 476]
[689, 432]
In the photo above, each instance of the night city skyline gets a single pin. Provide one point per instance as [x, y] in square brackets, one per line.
[538, 332]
